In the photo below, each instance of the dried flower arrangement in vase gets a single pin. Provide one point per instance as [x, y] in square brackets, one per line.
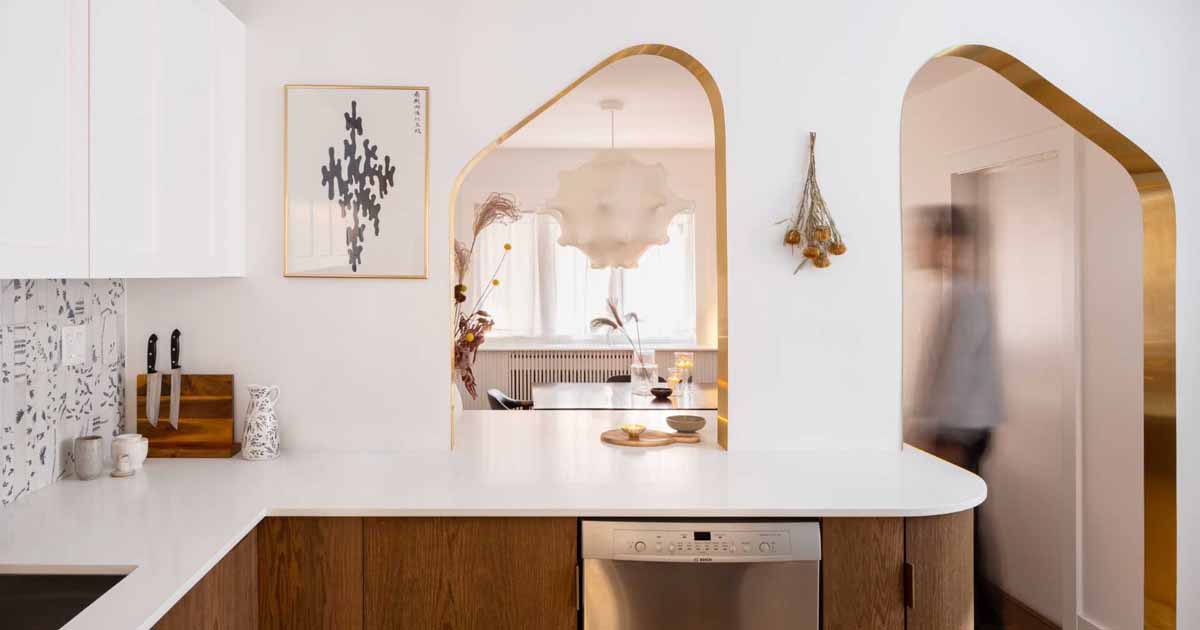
[614, 322]
[471, 326]
[643, 372]
[813, 228]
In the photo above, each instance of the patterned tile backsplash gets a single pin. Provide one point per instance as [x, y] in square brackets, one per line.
[44, 405]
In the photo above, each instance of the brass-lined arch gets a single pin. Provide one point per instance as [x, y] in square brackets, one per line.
[706, 81]
[1158, 299]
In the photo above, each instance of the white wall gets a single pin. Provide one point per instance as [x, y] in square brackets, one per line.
[532, 174]
[784, 69]
[1112, 498]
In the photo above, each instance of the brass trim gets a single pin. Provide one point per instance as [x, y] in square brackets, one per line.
[1158, 291]
[287, 87]
[705, 78]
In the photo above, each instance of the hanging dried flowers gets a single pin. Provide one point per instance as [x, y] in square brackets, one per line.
[813, 228]
[472, 325]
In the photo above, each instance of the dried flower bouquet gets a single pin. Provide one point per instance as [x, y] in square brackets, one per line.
[472, 325]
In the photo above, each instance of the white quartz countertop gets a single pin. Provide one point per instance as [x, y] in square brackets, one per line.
[176, 518]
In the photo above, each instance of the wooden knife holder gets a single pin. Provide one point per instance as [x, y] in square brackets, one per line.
[205, 417]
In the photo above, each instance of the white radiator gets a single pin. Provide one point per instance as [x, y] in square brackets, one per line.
[527, 368]
[515, 372]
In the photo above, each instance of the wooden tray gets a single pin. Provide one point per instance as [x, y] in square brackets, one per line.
[649, 437]
[205, 417]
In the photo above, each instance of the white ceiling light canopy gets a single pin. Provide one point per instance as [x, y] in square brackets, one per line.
[614, 208]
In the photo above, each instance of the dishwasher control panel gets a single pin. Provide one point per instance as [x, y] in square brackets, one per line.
[702, 544]
[707, 542]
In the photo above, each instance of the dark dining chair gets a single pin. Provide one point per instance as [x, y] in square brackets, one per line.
[624, 378]
[500, 401]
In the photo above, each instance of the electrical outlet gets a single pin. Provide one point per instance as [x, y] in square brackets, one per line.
[74, 344]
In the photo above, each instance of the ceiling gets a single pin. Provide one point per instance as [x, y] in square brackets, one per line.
[665, 107]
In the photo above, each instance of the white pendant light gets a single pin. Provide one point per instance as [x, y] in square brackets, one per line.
[614, 208]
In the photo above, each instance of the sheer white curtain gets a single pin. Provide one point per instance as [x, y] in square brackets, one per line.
[549, 293]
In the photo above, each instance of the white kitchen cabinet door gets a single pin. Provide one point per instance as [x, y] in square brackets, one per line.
[167, 139]
[43, 139]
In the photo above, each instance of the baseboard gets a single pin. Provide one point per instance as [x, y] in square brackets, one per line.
[1087, 624]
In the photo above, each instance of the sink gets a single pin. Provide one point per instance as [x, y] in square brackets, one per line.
[37, 601]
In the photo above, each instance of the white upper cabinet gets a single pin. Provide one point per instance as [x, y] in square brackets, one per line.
[122, 139]
[43, 139]
[167, 139]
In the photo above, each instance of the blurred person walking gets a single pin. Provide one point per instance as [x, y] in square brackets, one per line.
[961, 401]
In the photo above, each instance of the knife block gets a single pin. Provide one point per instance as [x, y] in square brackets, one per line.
[205, 417]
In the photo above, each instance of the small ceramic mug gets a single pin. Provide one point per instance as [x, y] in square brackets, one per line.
[89, 463]
[123, 466]
[132, 444]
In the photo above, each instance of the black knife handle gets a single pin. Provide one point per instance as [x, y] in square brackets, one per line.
[175, 349]
[152, 355]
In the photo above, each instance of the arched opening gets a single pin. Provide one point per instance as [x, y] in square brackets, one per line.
[1019, 246]
[706, 82]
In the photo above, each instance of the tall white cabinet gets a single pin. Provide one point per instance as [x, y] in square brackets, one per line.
[139, 169]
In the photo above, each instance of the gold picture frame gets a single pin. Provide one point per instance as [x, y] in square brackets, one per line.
[360, 211]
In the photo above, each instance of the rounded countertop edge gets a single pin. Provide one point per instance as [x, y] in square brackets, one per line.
[722, 513]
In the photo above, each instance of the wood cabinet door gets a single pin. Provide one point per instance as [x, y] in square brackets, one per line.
[940, 550]
[310, 573]
[225, 599]
[468, 573]
[43, 139]
[862, 571]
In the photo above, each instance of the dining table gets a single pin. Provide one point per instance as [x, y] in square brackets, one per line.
[692, 396]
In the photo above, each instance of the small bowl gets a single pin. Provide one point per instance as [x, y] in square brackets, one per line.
[686, 424]
[661, 393]
[633, 430]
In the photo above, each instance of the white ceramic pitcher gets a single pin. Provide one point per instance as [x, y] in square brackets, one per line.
[261, 437]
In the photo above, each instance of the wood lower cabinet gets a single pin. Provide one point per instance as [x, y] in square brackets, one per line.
[862, 573]
[941, 551]
[470, 573]
[898, 573]
[415, 573]
[225, 599]
[310, 573]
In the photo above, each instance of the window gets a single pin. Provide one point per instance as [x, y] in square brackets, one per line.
[549, 293]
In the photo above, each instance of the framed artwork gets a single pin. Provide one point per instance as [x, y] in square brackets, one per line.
[356, 181]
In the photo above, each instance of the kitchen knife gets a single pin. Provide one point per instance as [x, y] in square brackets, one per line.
[153, 381]
[176, 379]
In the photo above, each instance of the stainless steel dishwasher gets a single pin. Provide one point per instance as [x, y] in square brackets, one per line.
[641, 575]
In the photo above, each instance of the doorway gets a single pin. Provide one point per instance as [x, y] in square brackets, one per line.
[1058, 247]
[553, 316]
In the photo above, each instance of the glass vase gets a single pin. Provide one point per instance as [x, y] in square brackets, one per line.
[685, 361]
[643, 376]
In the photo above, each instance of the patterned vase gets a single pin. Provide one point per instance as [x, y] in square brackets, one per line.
[261, 438]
